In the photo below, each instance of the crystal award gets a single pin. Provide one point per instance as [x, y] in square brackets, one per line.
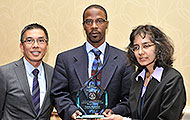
[92, 100]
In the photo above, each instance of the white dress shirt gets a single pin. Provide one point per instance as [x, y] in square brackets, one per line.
[41, 78]
[157, 74]
[91, 55]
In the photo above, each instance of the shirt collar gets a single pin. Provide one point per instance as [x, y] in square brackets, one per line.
[89, 47]
[157, 74]
[30, 68]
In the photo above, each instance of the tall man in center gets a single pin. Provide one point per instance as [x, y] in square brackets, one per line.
[74, 67]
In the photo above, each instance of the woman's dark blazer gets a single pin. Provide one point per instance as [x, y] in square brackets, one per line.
[164, 100]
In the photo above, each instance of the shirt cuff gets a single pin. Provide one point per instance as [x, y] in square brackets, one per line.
[126, 118]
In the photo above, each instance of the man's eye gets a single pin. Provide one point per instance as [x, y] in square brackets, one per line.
[88, 21]
[29, 41]
[100, 21]
[41, 40]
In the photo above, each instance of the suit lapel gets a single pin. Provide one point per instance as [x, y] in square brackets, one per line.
[109, 68]
[151, 87]
[22, 78]
[136, 84]
[48, 84]
[138, 87]
[149, 90]
[81, 64]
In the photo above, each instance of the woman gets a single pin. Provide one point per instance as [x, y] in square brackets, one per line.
[157, 90]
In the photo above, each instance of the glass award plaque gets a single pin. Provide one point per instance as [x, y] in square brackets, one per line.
[92, 100]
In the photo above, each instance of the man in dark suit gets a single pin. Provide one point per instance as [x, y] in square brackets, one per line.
[20, 99]
[73, 68]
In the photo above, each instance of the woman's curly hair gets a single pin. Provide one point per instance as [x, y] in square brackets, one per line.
[164, 48]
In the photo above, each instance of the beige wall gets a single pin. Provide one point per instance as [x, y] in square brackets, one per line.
[63, 19]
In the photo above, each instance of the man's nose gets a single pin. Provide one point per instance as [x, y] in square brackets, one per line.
[35, 43]
[94, 24]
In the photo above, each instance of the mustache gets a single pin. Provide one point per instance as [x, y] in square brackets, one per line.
[94, 31]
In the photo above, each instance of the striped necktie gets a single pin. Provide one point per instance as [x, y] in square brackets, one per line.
[36, 91]
[97, 65]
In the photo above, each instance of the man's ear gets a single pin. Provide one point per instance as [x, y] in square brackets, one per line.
[84, 27]
[47, 47]
[21, 47]
[107, 24]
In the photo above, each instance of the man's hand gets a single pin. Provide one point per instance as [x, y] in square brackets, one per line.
[113, 117]
[116, 117]
[75, 114]
[108, 112]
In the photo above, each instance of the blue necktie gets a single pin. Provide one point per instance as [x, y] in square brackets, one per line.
[36, 91]
[94, 90]
[97, 65]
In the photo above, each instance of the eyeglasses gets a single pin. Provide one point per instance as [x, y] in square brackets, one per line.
[32, 41]
[136, 48]
[98, 21]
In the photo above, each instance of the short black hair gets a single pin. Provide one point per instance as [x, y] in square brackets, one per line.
[95, 6]
[33, 26]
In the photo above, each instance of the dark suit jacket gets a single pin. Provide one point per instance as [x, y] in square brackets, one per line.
[164, 100]
[16, 99]
[71, 72]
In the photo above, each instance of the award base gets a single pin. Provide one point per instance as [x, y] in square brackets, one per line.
[90, 117]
